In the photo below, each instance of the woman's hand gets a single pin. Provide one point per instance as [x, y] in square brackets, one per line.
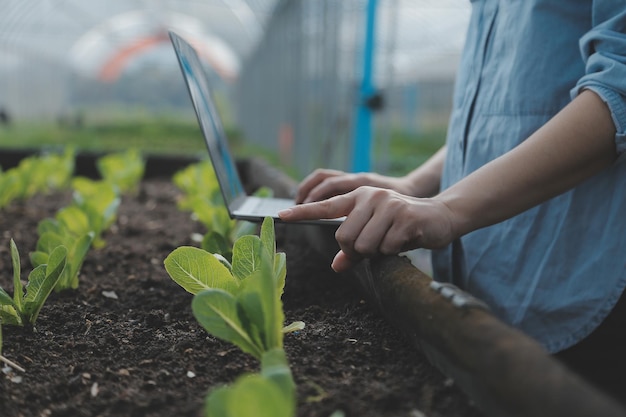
[421, 182]
[326, 183]
[379, 222]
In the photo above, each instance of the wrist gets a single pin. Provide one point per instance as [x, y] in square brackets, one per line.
[465, 213]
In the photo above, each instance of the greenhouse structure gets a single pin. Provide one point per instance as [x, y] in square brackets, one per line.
[134, 282]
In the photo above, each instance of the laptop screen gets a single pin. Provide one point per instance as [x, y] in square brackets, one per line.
[208, 118]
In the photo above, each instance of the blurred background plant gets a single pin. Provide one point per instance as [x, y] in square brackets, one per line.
[288, 77]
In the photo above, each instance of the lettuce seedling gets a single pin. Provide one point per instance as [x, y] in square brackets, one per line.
[25, 305]
[240, 303]
[94, 208]
[270, 393]
[202, 196]
[53, 233]
[124, 169]
[197, 181]
[10, 186]
[47, 172]
[36, 174]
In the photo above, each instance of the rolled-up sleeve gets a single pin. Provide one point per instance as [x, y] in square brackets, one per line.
[603, 49]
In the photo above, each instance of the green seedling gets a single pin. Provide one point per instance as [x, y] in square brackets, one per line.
[94, 209]
[124, 169]
[50, 172]
[36, 174]
[270, 393]
[10, 186]
[197, 181]
[52, 234]
[203, 198]
[24, 307]
[44, 173]
[238, 302]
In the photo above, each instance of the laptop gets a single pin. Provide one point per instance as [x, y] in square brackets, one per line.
[240, 205]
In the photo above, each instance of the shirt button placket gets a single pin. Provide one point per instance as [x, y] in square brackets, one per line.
[489, 11]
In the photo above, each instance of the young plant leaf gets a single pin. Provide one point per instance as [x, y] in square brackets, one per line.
[274, 367]
[253, 313]
[99, 201]
[74, 219]
[268, 237]
[243, 228]
[246, 256]
[214, 242]
[216, 311]
[49, 240]
[224, 262]
[77, 251]
[261, 303]
[8, 312]
[195, 270]
[38, 258]
[124, 169]
[252, 327]
[5, 299]
[250, 395]
[18, 289]
[36, 280]
[48, 225]
[41, 281]
[217, 403]
[294, 327]
[8, 315]
[280, 272]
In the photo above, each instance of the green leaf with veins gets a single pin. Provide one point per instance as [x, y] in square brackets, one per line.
[195, 270]
[41, 281]
[8, 315]
[5, 299]
[216, 311]
[246, 256]
[268, 237]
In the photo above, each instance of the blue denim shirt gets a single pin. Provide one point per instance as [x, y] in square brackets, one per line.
[556, 270]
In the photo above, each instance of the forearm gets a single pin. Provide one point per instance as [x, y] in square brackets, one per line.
[573, 146]
[425, 180]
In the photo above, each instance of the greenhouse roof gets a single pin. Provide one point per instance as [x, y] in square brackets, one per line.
[99, 38]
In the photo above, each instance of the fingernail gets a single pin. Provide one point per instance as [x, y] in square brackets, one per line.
[285, 212]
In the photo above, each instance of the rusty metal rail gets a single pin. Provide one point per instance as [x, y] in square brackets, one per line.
[503, 371]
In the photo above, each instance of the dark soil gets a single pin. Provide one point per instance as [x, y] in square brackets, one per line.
[143, 353]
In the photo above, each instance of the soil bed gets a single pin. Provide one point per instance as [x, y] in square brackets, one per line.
[126, 344]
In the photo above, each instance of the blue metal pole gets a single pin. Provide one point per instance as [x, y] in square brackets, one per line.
[362, 133]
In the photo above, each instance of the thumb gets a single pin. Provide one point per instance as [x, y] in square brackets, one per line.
[342, 262]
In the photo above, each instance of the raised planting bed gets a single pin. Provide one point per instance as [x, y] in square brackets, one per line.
[379, 341]
[125, 342]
